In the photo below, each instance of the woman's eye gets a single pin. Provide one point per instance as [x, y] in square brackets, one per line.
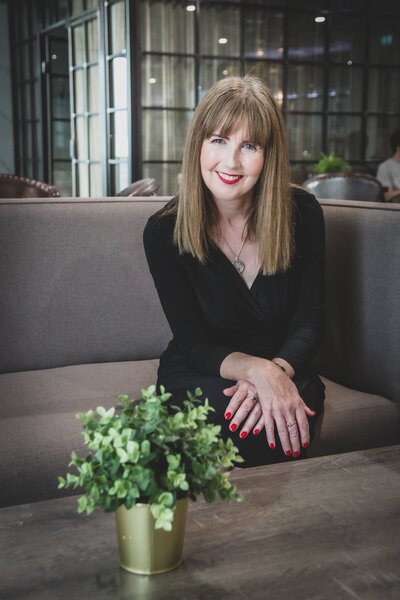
[217, 141]
[250, 147]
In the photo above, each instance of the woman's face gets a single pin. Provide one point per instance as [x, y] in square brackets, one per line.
[231, 166]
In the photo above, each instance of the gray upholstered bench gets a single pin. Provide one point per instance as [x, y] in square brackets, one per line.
[80, 323]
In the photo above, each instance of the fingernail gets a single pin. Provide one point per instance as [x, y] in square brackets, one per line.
[228, 415]
[272, 446]
[256, 431]
[296, 454]
[314, 412]
[305, 445]
[232, 427]
[243, 434]
[288, 453]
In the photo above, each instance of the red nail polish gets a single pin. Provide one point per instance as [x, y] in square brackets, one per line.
[288, 453]
[305, 445]
[296, 454]
[232, 427]
[228, 415]
[272, 446]
[243, 434]
[256, 431]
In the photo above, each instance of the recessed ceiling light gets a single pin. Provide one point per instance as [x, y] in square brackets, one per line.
[152, 80]
[349, 62]
[222, 41]
[319, 19]
[190, 7]
[260, 53]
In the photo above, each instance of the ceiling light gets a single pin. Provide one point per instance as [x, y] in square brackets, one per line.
[152, 80]
[319, 19]
[190, 7]
[260, 53]
[349, 62]
[222, 41]
[225, 72]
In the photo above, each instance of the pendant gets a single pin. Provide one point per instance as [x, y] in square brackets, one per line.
[239, 266]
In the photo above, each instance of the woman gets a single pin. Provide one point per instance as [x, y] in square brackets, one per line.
[238, 262]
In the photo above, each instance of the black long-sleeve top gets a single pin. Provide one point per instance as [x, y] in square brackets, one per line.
[213, 313]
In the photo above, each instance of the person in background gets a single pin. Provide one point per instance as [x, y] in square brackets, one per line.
[389, 171]
[237, 258]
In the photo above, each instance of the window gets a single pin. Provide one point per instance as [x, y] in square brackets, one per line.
[29, 162]
[118, 129]
[87, 147]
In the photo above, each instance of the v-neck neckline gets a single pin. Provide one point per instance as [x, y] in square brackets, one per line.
[249, 288]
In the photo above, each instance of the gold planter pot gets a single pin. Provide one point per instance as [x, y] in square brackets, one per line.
[144, 549]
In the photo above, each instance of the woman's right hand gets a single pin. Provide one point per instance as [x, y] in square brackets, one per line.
[243, 408]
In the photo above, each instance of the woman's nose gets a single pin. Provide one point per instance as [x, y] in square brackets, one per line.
[231, 156]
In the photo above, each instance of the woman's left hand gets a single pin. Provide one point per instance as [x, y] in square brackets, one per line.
[245, 407]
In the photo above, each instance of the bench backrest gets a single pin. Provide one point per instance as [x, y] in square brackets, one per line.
[361, 346]
[75, 288]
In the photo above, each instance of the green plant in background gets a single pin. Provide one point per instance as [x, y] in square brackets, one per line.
[330, 163]
[152, 452]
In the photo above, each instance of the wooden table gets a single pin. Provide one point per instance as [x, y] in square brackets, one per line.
[319, 529]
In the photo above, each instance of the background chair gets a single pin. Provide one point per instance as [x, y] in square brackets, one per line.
[142, 187]
[14, 186]
[345, 186]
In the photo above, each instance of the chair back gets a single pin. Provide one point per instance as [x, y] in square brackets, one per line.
[345, 186]
[142, 187]
[14, 186]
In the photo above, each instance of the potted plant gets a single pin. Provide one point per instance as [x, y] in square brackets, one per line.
[330, 163]
[146, 460]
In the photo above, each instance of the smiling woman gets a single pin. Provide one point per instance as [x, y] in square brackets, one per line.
[238, 260]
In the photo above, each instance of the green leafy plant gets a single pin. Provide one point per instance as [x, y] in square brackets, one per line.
[330, 163]
[152, 452]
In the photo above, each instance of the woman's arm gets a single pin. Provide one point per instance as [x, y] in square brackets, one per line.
[178, 299]
[279, 398]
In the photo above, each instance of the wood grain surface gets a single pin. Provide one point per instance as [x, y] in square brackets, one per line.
[317, 529]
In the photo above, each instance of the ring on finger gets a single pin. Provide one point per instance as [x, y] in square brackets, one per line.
[289, 425]
[254, 398]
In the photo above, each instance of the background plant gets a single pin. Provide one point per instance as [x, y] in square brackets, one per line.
[330, 163]
[153, 452]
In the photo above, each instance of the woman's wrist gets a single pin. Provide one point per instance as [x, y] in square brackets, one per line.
[253, 368]
[284, 366]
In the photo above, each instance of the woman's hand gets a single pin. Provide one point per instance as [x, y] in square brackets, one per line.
[281, 406]
[270, 399]
[244, 406]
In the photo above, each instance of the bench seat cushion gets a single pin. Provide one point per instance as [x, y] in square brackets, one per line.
[355, 420]
[38, 428]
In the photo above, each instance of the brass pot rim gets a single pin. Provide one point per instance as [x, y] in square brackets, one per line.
[139, 504]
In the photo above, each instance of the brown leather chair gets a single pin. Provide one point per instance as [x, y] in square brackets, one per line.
[345, 186]
[14, 186]
[142, 187]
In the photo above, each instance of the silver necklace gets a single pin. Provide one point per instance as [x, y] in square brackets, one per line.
[238, 264]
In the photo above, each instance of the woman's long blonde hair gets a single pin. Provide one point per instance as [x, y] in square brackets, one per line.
[248, 101]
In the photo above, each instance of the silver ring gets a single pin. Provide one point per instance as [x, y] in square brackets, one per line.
[254, 398]
[289, 425]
